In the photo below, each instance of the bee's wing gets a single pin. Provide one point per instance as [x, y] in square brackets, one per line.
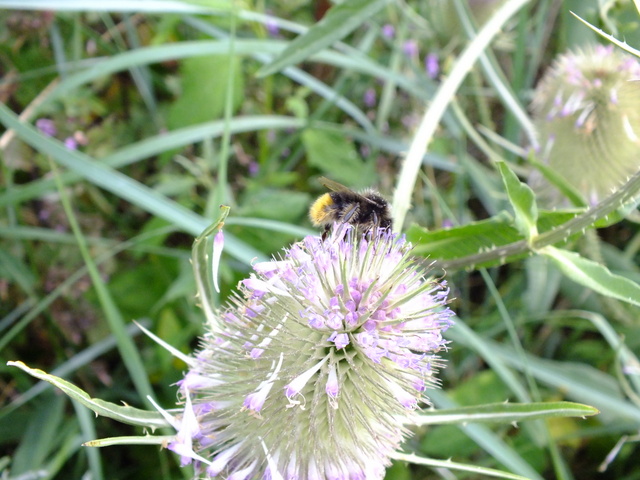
[335, 186]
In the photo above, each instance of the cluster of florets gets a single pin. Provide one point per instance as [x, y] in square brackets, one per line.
[587, 112]
[311, 370]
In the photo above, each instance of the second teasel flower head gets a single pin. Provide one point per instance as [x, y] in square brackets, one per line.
[587, 112]
[314, 365]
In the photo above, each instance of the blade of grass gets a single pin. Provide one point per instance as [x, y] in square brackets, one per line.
[299, 76]
[463, 467]
[431, 119]
[148, 6]
[505, 413]
[489, 441]
[65, 369]
[128, 351]
[339, 21]
[497, 79]
[88, 428]
[353, 61]
[123, 186]
[579, 382]
[152, 146]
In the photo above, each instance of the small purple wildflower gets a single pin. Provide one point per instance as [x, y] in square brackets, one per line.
[410, 120]
[339, 336]
[71, 143]
[91, 47]
[254, 168]
[447, 223]
[388, 31]
[432, 65]
[410, 48]
[47, 127]
[272, 27]
[370, 98]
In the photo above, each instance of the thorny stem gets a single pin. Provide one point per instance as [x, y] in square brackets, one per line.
[619, 198]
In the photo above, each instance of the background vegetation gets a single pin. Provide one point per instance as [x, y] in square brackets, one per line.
[146, 116]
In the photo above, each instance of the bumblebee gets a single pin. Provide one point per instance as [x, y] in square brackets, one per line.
[365, 211]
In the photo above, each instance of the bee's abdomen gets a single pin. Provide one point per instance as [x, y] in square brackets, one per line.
[320, 212]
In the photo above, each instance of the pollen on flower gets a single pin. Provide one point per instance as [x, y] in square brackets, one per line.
[312, 366]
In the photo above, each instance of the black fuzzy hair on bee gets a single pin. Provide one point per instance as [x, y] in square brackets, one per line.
[366, 211]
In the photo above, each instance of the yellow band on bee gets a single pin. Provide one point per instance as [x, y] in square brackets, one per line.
[317, 212]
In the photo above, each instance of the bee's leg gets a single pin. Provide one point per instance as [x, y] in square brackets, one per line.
[325, 233]
[352, 213]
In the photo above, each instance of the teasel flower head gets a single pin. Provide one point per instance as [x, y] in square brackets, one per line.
[587, 112]
[315, 364]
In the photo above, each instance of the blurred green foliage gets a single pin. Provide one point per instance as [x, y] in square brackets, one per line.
[50, 313]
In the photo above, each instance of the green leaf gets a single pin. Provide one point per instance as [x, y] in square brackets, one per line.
[124, 414]
[594, 275]
[204, 89]
[13, 269]
[284, 205]
[458, 242]
[44, 428]
[506, 413]
[334, 155]
[558, 181]
[339, 21]
[484, 243]
[522, 200]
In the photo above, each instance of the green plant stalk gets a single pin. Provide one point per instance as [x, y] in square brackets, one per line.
[128, 351]
[619, 198]
[463, 467]
[444, 96]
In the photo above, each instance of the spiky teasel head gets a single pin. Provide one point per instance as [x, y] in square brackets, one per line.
[315, 364]
[587, 112]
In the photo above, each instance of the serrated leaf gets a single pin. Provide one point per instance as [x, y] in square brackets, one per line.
[450, 247]
[339, 21]
[458, 242]
[505, 413]
[124, 414]
[593, 275]
[523, 201]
